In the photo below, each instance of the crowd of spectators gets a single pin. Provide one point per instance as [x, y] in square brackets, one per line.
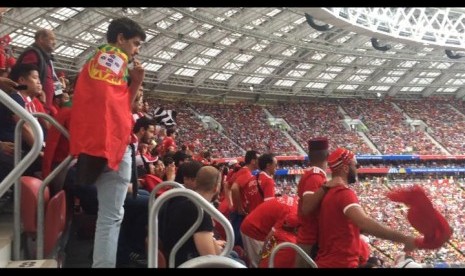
[320, 119]
[444, 123]
[192, 132]
[246, 125]
[387, 128]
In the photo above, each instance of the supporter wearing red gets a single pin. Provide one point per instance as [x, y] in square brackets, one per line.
[262, 187]
[59, 101]
[244, 175]
[40, 54]
[156, 173]
[178, 214]
[257, 225]
[38, 101]
[23, 74]
[310, 193]
[103, 150]
[284, 230]
[205, 158]
[57, 148]
[169, 145]
[230, 178]
[342, 218]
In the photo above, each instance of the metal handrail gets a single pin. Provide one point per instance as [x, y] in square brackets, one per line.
[212, 261]
[190, 231]
[297, 248]
[153, 194]
[41, 200]
[185, 237]
[21, 165]
[198, 200]
[52, 120]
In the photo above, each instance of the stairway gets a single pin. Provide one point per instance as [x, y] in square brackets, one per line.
[6, 246]
[456, 110]
[368, 142]
[289, 137]
[199, 117]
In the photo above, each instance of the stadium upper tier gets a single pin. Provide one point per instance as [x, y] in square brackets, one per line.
[368, 127]
[268, 53]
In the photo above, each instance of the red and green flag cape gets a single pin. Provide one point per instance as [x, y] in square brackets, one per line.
[101, 118]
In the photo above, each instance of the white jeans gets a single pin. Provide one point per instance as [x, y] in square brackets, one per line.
[253, 249]
[112, 187]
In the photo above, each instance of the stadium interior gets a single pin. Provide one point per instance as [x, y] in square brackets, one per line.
[386, 83]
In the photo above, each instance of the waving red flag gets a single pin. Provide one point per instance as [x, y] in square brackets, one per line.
[423, 217]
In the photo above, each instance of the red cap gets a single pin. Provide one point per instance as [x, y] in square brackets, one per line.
[319, 143]
[339, 156]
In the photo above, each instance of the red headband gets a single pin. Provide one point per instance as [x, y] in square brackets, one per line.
[338, 157]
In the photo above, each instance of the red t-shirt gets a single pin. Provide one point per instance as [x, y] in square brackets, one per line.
[259, 222]
[244, 175]
[168, 142]
[57, 146]
[339, 238]
[311, 181]
[151, 181]
[252, 194]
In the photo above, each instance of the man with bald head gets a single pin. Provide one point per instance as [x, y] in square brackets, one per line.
[179, 213]
[40, 54]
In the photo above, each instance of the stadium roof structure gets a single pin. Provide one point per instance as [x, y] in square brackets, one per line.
[270, 53]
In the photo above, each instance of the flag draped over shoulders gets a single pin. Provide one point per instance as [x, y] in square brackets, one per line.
[101, 118]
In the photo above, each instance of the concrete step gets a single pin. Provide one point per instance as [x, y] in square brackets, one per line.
[33, 264]
[6, 238]
[5, 252]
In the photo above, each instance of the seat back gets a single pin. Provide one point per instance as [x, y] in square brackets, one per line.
[55, 221]
[29, 198]
[161, 260]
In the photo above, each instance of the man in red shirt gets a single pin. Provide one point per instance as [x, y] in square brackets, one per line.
[257, 225]
[342, 218]
[169, 144]
[243, 176]
[310, 194]
[40, 54]
[284, 230]
[262, 187]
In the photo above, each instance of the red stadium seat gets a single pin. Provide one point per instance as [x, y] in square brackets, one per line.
[161, 260]
[55, 220]
[29, 198]
[55, 212]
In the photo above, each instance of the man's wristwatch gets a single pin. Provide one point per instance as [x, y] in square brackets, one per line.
[325, 188]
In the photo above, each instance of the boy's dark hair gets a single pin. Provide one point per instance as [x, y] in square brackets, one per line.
[168, 159]
[265, 159]
[179, 156]
[170, 131]
[249, 156]
[123, 25]
[143, 122]
[187, 169]
[22, 70]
